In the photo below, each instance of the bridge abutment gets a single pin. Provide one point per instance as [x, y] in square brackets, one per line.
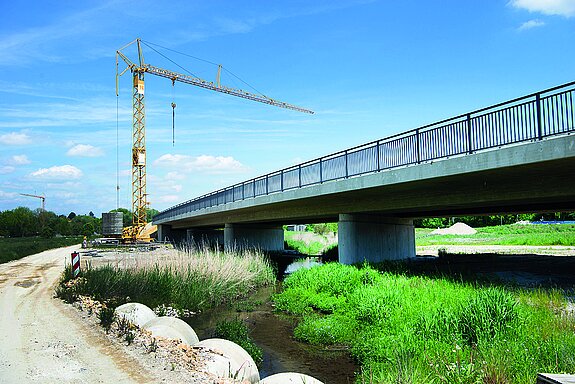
[260, 236]
[374, 238]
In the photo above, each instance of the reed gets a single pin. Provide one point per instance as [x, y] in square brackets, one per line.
[191, 279]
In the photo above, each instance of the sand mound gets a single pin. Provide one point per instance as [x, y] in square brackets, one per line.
[455, 229]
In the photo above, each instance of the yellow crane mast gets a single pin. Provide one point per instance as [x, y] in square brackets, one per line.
[139, 231]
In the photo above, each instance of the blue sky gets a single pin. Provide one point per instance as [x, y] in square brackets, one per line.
[368, 69]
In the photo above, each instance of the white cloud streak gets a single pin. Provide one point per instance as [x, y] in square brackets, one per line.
[531, 24]
[85, 150]
[15, 138]
[204, 163]
[564, 8]
[19, 160]
[62, 172]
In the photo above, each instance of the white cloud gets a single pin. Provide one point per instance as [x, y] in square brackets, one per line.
[85, 150]
[531, 24]
[58, 172]
[549, 7]
[204, 163]
[14, 138]
[175, 176]
[6, 169]
[19, 160]
[8, 195]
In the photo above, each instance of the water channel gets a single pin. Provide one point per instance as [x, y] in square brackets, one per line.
[273, 333]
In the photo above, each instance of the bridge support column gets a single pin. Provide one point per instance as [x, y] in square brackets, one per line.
[374, 238]
[167, 233]
[260, 236]
[205, 237]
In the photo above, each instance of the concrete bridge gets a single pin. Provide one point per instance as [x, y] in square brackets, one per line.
[517, 156]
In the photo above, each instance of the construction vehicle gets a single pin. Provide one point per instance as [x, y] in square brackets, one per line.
[140, 230]
[42, 198]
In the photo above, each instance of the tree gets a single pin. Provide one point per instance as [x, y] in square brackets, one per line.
[91, 214]
[150, 213]
[88, 229]
[127, 216]
[71, 216]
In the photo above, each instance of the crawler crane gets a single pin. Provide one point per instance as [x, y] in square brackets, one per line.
[140, 229]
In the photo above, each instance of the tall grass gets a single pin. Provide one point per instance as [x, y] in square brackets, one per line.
[419, 329]
[308, 243]
[192, 279]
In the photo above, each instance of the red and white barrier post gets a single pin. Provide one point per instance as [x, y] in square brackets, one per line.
[75, 264]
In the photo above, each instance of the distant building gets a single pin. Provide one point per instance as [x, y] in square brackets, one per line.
[296, 227]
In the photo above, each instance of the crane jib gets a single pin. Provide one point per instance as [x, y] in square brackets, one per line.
[174, 76]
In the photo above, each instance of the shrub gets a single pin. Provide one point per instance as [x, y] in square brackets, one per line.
[106, 316]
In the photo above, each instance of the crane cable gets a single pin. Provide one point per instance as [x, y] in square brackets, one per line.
[149, 45]
[117, 151]
[173, 113]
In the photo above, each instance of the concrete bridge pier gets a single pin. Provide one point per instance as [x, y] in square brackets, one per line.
[261, 236]
[167, 233]
[374, 238]
[200, 237]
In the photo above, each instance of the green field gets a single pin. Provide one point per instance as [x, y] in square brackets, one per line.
[418, 329]
[19, 247]
[537, 234]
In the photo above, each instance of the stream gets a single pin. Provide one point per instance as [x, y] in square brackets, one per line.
[273, 333]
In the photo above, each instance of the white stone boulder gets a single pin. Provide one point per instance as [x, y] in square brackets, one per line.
[290, 377]
[172, 328]
[136, 313]
[229, 360]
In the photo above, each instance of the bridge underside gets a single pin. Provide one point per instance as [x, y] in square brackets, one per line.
[536, 176]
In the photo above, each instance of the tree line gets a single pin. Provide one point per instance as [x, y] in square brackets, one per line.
[24, 222]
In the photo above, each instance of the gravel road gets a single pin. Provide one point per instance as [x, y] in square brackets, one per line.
[41, 339]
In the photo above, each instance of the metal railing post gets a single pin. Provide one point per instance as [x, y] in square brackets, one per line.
[417, 146]
[282, 180]
[320, 171]
[377, 154]
[539, 122]
[267, 185]
[299, 175]
[469, 149]
[346, 170]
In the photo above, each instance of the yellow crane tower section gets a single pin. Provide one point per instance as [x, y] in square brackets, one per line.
[139, 231]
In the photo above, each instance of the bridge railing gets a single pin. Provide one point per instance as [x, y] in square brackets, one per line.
[528, 118]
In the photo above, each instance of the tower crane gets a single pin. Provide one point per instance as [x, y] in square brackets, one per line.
[139, 231]
[42, 198]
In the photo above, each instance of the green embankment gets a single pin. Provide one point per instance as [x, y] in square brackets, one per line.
[535, 234]
[18, 247]
[405, 329]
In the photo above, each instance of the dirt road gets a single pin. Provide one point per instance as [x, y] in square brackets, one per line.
[42, 339]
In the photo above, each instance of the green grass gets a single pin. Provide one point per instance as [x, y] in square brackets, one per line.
[192, 280]
[18, 247]
[540, 234]
[419, 329]
[236, 331]
[307, 243]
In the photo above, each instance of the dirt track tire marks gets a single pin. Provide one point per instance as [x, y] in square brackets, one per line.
[42, 339]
